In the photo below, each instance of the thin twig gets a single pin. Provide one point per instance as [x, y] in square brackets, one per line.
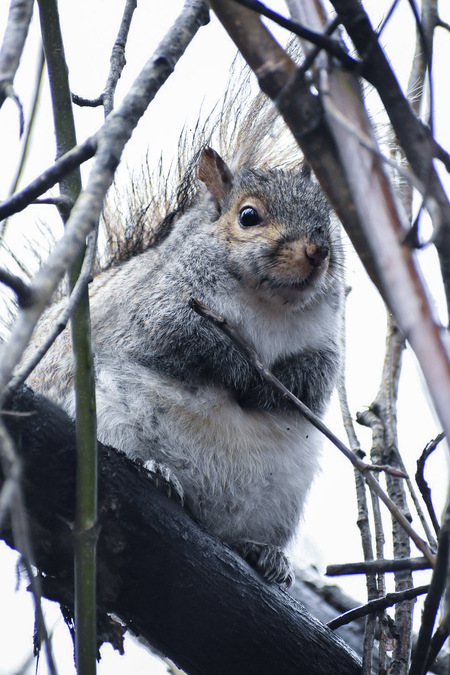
[378, 566]
[378, 605]
[27, 135]
[117, 64]
[422, 483]
[254, 359]
[363, 514]
[87, 102]
[84, 278]
[117, 60]
[48, 178]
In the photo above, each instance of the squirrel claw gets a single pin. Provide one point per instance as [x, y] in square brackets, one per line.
[268, 560]
[164, 478]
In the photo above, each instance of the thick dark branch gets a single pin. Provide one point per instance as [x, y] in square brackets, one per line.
[171, 582]
[321, 40]
[87, 102]
[21, 289]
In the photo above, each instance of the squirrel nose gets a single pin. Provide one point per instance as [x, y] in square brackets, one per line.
[316, 254]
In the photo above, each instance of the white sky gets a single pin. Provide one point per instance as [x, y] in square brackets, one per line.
[89, 27]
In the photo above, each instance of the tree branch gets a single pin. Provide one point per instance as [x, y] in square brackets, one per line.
[374, 606]
[422, 483]
[63, 166]
[321, 40]
[117, 61]
[171, 582]
[21, 289]
[378, 566]
[19, 19]
[412, 136]
[86, 422]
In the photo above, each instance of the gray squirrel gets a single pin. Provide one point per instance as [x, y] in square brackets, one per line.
[258, 247]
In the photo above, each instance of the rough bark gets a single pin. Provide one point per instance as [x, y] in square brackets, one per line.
[168, 580]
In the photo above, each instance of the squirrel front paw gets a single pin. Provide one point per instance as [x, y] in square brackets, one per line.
[268, 560]
[165, 479]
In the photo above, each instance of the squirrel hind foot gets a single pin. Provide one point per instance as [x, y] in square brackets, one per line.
[164, 479]
[269, 560]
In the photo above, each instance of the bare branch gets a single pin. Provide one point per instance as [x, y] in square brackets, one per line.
[378, 605]
[21, 289]
[363, 516]
[19, 19]
[117, 61]
[117, 64]
[422, 483]
[438, 641]
[413, 137]
[63, 166]
[82, 282]
[27, 136]
[378, 566]
[87, 102]
[320, 40]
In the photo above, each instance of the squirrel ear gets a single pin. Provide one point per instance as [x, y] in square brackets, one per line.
[215, 174]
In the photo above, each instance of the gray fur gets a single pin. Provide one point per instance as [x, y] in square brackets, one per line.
[172, 389]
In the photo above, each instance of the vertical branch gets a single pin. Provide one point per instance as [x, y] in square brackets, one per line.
[19, 19]
[27, 136]
[117, 60]
[396, 490]
[363, 515]
[86, 500]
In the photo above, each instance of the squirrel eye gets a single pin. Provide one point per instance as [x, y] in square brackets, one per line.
[249, 217]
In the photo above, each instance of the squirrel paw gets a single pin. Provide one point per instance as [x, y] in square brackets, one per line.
[268, 560]
[165, 479]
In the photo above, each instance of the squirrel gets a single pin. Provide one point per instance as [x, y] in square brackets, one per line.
[258, 247]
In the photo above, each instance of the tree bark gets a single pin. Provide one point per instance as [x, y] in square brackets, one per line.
[167, 579]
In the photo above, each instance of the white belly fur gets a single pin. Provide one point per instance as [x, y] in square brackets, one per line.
[246, 473]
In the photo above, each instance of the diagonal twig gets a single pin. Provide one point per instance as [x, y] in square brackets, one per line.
[253, 358]
[378, 605]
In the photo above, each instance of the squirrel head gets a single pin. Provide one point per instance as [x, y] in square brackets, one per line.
[276, 227]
